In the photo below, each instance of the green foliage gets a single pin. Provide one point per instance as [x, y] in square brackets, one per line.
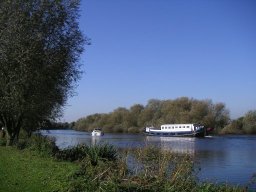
[40, 47]
[94, 153]
[42, 145]
[242, 125]
[157, 112]
[249, 122]
[76, 153]
[106, 151]
[47, 125]
[101, 152]
[235, 127]
[210, 187]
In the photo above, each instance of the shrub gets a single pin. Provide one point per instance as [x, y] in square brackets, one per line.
[94, 153]
[44, 145]
[76, 153]
[101, 152]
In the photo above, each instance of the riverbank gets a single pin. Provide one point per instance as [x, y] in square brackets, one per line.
[23, 170]
[100, 168]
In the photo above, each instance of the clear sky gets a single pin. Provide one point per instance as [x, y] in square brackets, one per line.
[165, 49]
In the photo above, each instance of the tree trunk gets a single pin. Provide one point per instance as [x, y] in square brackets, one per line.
[10, 139]
[13, 130]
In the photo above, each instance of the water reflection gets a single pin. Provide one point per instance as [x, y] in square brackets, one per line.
[176, 144]
[95, 140]
[68, 138]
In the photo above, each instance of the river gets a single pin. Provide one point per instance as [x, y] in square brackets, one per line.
[230, 159]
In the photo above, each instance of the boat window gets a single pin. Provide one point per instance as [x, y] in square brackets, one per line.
[183, 126]
[179, 126]
[187, 126]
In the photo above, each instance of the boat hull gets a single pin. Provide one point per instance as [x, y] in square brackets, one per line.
[97, 134]
[198, 133]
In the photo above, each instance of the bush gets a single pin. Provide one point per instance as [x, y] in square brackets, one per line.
[72, 154]
[94, 153]
[44, 145]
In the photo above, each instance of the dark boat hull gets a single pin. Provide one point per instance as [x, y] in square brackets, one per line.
[198, 133]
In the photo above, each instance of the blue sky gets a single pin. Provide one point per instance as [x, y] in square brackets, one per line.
[165, 49]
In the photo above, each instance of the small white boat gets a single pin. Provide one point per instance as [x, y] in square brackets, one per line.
[97, 132]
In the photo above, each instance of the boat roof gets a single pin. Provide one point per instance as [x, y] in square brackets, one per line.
[177, 124]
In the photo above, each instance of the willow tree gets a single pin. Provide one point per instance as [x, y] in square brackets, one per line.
[40, 45]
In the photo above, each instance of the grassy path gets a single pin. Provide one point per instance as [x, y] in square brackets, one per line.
[25, 172]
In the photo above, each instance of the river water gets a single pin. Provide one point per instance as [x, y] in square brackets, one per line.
[230, 159]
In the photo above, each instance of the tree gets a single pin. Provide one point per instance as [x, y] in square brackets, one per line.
[234, 127]
[249, 122]
[135, 112]
[39, 51]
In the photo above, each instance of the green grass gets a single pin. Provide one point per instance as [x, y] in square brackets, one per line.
[28, 172]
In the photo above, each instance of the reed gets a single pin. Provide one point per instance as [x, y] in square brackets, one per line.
[143, 169]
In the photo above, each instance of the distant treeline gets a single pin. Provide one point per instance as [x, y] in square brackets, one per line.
[242, 125]
[157, 112]
[47, 124]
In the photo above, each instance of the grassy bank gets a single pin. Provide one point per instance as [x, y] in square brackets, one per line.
[27, 171]
[98, 168]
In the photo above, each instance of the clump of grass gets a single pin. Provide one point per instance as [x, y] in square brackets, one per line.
[156, 169]
[76, 153]
[103, 176]
[101, 152]
[94, 153]
[211, 187]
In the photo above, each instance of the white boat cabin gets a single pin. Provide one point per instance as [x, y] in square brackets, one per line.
[180, 127]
